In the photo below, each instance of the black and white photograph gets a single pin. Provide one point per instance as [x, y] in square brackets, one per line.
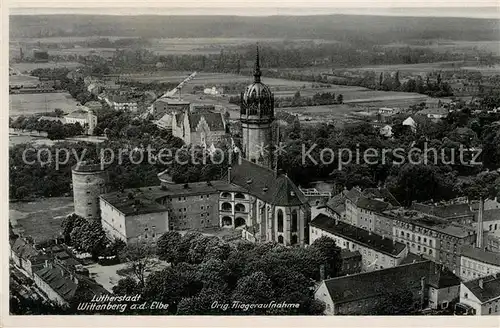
[325, 159]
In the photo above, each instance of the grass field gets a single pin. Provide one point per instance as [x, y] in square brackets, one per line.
[42, 218]
[26, 80]
[26, 104]
[27, 67]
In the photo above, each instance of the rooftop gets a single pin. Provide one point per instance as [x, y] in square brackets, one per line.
[372, 199]
[386, 281]
[481, 255]
[358, 235]
[78, 114]
[266, 184]
[337, 203]
[434, 111]
[443, 211]
[87, 167]
[489, 291]
[132, 202]
[65, 283]
[430, 222]
[489, 215]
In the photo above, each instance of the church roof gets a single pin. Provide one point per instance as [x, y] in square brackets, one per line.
[215, 121]
[265, 184]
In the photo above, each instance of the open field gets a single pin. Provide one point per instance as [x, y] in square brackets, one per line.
[455, 46]
[208, 79]
[26, 104]
[28, 67]
[25, 80]
[41, 218]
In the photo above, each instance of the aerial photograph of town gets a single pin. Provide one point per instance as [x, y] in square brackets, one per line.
[272, 163]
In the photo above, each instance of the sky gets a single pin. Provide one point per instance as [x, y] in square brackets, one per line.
[459, 8]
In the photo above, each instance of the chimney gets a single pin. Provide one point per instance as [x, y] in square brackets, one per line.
[46, 263]
[322, 272]
[422, 292]
[229, 174]
[479, 238]
[480, 283]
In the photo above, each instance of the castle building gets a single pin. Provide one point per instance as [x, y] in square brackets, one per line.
[263, 204]
[89, 181]
[256, 116]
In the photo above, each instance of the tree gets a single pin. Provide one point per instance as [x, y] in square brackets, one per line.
[88, 236]
[254, 289]
[203, 303]
[140, 256]
[167, 246]
[340, 99]
[328, 253]
[126, 286]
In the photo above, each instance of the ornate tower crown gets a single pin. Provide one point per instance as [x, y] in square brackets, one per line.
[257, 102]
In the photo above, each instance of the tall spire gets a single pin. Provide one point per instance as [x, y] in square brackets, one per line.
[257, 73]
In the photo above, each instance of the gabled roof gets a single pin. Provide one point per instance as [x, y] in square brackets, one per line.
[215, 121]
[265, 184]
[337, 203]
[490, 290]
[387, 281]
[54, 277]
[23, 249]
[358, 235]
[78, 114]
[60, 280]
[481, 255]
[372, 199]
[376, 283]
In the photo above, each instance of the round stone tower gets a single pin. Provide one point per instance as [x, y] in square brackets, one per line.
[89, 182]
[256, 116]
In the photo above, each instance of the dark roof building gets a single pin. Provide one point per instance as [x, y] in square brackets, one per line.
[362, 293]
[357, 235]
[266, 184]
[485, 289]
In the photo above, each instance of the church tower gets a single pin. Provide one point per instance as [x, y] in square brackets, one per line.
[256, 116]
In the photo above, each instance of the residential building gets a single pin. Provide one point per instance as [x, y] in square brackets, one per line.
[377, 251]
[120, 102]
[454, 212]
[434, 238]
[61, 285]
[351, 262]
[85, 117]
[333, 207]
[476, 262]
[199, 128]
[25, 256]
[434, 113]
[428, 285]
[491, 221]
[364, 208]
[132, 216]
[482, 295]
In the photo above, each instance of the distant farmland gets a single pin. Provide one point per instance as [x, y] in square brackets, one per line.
[28, 67]
[26, 104]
